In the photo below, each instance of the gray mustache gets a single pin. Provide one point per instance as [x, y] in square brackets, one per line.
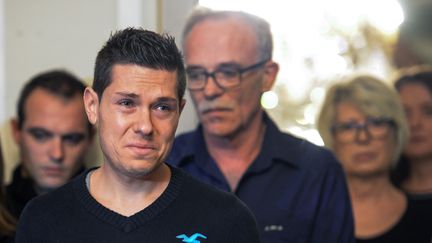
[209, 105]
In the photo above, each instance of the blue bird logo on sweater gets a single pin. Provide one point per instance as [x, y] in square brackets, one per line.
[192, 239]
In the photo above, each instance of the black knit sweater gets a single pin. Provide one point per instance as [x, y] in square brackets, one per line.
[187, 209]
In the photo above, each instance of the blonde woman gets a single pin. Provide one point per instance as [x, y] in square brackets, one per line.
[7, 222]
[364, 124]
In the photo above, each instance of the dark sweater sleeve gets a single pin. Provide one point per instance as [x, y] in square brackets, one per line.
[31, 225]
[25, 225]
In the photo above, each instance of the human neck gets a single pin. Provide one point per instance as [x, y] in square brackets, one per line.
[39, 190]
[42, 190]
[377, 204]
[240, 143]
[420, 178]
[234, 154]
[370, 188]
[126, 195]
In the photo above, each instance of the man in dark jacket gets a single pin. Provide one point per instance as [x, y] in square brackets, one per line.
[52, 133]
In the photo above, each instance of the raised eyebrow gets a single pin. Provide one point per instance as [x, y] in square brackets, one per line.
[167, 100]
[126, 94]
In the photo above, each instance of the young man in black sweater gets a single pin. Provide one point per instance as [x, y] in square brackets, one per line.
[135, 102]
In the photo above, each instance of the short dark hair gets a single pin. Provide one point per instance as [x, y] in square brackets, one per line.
[57, 82]
[140, 47]
[423, 77]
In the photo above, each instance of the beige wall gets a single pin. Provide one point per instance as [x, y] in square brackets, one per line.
[45, 34]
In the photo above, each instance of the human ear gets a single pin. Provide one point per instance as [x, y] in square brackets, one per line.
[271, 70]
[182, 104]
[16, 131]
[91, 104]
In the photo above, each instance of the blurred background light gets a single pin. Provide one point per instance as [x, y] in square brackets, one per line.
[316, 42]
[269, 100]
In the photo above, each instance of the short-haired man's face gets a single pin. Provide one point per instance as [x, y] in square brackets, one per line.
[53, 139]
[215, 45]
[137, 116]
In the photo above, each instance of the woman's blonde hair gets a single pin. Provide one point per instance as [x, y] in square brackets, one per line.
[7, 222]
[373, 98]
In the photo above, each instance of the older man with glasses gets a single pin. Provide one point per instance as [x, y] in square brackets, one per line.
[296, 190]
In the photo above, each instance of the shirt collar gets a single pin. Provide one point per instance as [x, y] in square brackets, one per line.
[276, 147]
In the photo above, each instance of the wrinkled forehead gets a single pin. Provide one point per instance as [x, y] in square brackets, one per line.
[142, 82]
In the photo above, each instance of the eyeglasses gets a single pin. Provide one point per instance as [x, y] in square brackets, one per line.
[225, 77]
[375, 127]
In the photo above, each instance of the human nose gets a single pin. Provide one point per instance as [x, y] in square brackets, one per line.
[212, 88]
[57, 150]
[362, 134]
[143, 124]
[414, 120]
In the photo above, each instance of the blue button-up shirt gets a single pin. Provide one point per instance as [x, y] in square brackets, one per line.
[296, 190]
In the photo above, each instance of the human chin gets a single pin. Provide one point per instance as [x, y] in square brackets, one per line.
[418, 150]
[140, 169]
[51, 182]
[220, 129]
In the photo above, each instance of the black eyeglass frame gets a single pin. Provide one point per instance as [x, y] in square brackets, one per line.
[364, 126]
[240, 72]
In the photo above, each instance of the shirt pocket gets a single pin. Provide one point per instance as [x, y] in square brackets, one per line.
[286, 228]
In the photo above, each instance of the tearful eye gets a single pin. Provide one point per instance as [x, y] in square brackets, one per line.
[164, 107]
[125, 102]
